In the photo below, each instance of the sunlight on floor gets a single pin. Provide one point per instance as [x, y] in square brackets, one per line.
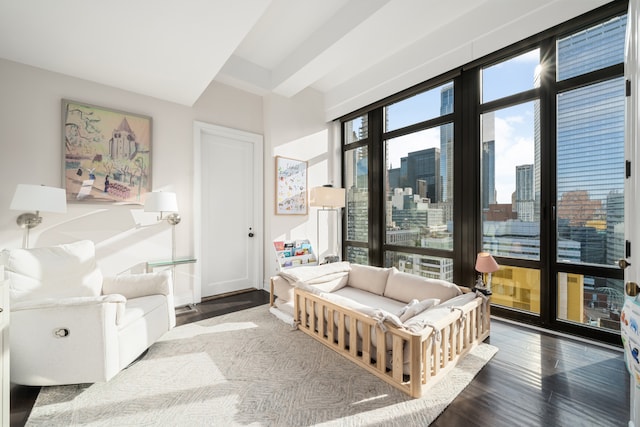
[382, 396]
[192, 330]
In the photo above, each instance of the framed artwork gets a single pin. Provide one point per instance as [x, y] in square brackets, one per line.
[291, 186]
[106, 154]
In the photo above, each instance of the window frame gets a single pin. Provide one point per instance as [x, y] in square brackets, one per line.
[467, 230]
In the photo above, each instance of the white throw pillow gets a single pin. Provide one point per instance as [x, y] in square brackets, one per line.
[417, 308]
[460, 300]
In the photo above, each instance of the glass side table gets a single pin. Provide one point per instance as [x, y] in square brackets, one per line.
[171, 263]
[151, 265]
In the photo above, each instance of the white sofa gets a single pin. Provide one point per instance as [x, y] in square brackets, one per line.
[426, 325]
[69, 325]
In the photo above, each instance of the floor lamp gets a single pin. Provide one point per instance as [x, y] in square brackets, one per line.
[327, 199]
[38, 198]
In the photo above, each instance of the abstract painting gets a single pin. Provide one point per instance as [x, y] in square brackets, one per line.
[107, 154]
[291, 186]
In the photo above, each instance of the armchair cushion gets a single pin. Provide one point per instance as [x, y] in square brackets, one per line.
[138, 285]
[54, 272]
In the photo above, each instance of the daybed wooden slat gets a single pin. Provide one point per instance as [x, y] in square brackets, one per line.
[341, 330]
[320, 324]
[397, 358]
[330, 324]
[353, 336]
[381, 354]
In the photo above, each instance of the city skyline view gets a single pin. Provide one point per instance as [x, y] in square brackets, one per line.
[513, 127]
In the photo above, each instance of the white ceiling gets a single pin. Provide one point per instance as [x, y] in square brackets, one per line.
[353, 51]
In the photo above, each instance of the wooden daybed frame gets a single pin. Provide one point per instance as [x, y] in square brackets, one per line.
[432, 352]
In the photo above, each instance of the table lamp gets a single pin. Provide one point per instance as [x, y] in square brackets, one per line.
[486, 265]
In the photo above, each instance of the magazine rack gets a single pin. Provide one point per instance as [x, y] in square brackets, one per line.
[294, 253]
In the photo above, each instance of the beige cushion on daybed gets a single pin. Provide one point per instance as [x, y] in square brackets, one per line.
[371, 300]
[406, 287]
[368, 278]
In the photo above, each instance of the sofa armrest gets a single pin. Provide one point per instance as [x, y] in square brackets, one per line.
[139, 285]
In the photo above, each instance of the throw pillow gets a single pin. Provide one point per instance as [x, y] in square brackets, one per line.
[418, 308]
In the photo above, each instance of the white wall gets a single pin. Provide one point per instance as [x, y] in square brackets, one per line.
[31, 153]
[295, 128]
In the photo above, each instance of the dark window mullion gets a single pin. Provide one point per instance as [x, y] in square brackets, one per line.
[467, 229]
[588, 79]
[509, 101]
[548, 236]
[377, 196]
[427, 124]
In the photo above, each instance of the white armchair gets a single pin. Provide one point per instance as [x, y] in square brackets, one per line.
[69, 325]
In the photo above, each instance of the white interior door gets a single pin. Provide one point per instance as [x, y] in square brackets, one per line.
[228, 231]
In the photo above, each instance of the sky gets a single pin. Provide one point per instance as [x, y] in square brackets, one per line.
[514, 135]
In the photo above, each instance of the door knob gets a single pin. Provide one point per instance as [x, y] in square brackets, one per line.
[631, 289]
[250, 234]
[623, 263]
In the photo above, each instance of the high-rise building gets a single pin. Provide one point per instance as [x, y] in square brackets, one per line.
[615, 249]
[421, 265]
[488, 171]
[536, 147]
[589, 148]
[524, 199]
[590, 141]
[422, 170]
[522, 240]
[446, 144]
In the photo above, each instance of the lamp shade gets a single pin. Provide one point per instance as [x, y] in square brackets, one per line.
[327, 197]
[39, 198]
[161, 201]
[485, 263]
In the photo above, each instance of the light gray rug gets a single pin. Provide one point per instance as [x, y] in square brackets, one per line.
[247, 369]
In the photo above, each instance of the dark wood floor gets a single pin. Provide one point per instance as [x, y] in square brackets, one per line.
[535, 379]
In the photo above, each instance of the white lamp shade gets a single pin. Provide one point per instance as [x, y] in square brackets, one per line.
[485, 263]
[161, 201]
[327, 197]
[39, 198]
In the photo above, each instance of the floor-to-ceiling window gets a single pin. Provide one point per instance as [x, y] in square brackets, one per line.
[418, 180]
[589, 174]
[510, 177]
[356, 181]
[398, 164]
[519, 154]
